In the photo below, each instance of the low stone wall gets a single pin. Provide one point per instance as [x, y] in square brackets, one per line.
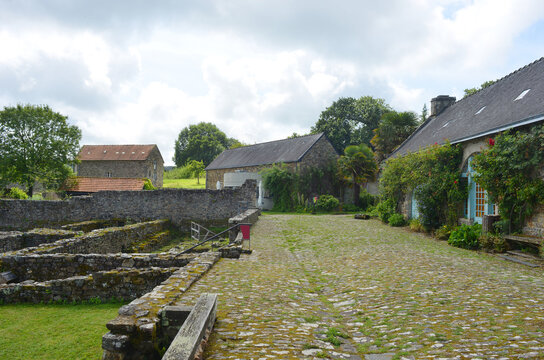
[180, 206]
[16, 240]
[120, 283]
[101, 241]
[534, 225]
[249, 216]
[136, 333]
[57, 266]
[87, 226]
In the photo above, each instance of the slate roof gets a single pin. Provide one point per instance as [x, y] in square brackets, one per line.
[115, 152]
[486, 112]
[92, 185]
[279, 151]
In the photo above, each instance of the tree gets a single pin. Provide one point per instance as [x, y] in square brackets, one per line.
[36, 144]
[234, 143]
[359, 166]
[201, 142]
[424, 113]
[471, 91]
[350, 121]
[394, 128]
[196, 168]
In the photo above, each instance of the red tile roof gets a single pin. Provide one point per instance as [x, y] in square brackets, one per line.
[115, 152]
[91, 185]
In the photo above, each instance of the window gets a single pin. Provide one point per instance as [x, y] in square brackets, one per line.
[520, 96]
[109, 174]
[480, 201]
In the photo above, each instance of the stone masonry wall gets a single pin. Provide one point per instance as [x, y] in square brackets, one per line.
[322, 153]
[136, 333]
[102, 241]
[58, 266]
[17, 240]
[180, 206]
[126, 285]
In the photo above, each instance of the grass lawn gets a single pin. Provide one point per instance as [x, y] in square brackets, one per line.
[54, 331]
[184, 183]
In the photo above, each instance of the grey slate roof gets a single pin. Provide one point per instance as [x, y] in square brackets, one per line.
[464, 121]
[279, 151]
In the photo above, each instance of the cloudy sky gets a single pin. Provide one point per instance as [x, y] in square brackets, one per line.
[139, 71]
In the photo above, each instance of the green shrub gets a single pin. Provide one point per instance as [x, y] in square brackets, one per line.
[415, 225]
[148, 185]
[350, 208]
[444, 232]
[396, 220]
[385, 209]
[493, 243]
[367, 199]
[373, 211]
[16, 193]
[466, 236]
[327, 203]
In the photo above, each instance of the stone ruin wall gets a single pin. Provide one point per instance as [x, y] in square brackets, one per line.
[180, 206]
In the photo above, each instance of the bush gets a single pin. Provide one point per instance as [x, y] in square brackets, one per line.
[396, 220]
[373, 211]
[466, 236]
[444, 232]
[148, 185]
[327, 203]
[350, 208]
[415, 225]
[367, 199]
[493, 243]
[385, 210]
[16, 193]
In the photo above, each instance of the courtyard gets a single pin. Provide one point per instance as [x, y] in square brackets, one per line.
[334, 287]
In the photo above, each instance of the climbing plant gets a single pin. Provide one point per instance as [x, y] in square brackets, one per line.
[433, 173]
[509, 170]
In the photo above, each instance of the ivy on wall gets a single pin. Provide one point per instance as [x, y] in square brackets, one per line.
[509, 170]
[433, 173]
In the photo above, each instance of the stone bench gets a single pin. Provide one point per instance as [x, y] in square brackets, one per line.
[195, 329]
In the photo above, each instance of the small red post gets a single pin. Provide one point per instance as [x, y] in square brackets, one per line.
[245, 231]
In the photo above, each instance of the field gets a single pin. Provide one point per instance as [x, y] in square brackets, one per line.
[184, 183]
[54, 331]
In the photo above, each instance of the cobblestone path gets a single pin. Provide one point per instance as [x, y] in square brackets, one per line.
[339, 288]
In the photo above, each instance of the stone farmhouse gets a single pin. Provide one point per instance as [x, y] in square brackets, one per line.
[514, 102]
[232, 167]
[121, 161]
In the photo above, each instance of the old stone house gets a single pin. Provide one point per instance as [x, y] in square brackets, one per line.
[232, 167]
[513, 102]
[121, 161]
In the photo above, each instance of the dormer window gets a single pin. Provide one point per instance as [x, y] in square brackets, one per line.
[520, 96]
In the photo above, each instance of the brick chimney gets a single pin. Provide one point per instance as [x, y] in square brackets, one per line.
[439, 103]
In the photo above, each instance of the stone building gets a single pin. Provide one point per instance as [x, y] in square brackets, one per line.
[121, 161]
[232, 167]
[514, 102]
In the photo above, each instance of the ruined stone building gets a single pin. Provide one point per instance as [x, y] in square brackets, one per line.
[121, 161]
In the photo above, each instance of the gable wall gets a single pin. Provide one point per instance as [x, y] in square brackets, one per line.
[125, 168]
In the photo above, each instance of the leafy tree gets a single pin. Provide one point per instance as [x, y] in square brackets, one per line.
[359, 166]
[233, 143]
[350, 121]
[36, 144]
[201, 142]
[394, 128]
[424, 113]
[471, 91]
[196, 168]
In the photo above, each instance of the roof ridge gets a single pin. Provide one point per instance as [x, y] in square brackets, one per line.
[273, 141]
[503, 78]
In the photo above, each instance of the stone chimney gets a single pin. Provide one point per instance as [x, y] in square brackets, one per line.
[439, 103]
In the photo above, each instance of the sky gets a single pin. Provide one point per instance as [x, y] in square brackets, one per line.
[138, 72]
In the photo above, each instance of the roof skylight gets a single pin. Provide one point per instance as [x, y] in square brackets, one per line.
[479, 111]
[520, 96]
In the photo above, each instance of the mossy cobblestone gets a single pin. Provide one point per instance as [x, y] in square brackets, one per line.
[339, 288]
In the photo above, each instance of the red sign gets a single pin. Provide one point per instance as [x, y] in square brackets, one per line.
[245, 231]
